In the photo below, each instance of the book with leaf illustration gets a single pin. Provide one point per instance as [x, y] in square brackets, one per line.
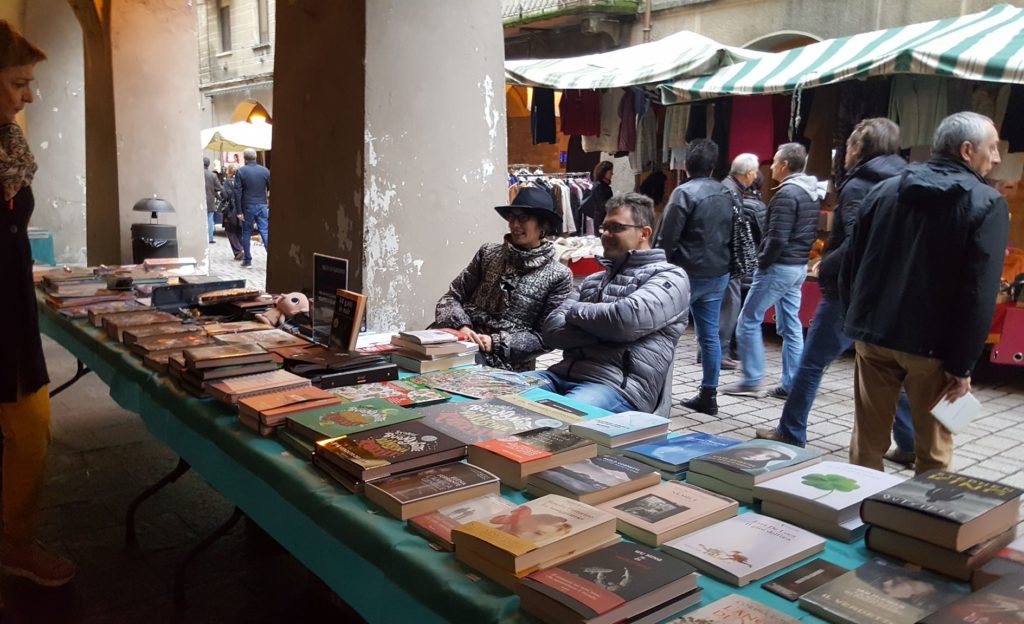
[403, 393]
[480, 382]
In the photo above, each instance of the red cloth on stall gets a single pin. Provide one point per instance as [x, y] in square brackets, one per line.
[580, 110]
[752, 127]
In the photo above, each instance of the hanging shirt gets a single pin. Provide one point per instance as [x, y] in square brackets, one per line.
[1013, 126]
[677, 119]
[627, 122]
[608, 139]
[752, 127]
[917, 104]
[646, 155]
[580, 110]
[542, 116]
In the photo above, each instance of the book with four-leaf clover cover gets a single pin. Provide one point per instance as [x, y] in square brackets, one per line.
[824, 498]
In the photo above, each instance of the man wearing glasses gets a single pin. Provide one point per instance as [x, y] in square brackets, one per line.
[619, 333]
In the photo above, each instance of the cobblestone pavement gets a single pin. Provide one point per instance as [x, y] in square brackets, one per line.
[223, 263]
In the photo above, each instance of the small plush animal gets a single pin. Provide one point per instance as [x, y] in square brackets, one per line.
[285, 307]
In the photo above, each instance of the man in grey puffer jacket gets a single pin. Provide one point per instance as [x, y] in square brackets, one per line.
[619, 333]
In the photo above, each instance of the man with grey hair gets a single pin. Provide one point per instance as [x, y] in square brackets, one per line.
[618, 335]
[921, 278]
[254, 187]
[791, 228]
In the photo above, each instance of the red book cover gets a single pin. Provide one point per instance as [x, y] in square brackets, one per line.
[514, 449]
[579, 589]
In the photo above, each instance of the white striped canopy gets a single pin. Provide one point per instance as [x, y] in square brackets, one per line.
[981, 46]
[677, 56]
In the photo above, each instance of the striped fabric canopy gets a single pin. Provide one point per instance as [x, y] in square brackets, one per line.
[677, 56]
[980, 46]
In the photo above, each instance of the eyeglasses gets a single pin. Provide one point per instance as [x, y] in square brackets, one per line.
[518, 217]
[616, 228]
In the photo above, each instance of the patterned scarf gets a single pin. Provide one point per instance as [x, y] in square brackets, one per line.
[17, 165]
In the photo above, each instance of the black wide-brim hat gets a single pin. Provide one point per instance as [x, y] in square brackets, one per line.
[533, 201]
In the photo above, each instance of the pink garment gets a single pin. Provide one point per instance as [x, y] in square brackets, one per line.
[627, 124]
[751, 128]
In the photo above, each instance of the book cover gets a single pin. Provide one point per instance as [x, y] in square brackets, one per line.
[177, 342]
[753, 458]
[745, 547]
[536, 444]
[884, 592]
[838, 487]
[260, 383]
[349, 308]
[957, 415]
[269, 339]
[592, 475]
[402, 393]
[421, 484]
[537, 523]
[432, 336]
[222, 352]
[674, 454]
[477, 421]
[803, 579]
[948, 495]
[381, 447]
[133, 334]
[438, 525]
[735, 609]
[1001, 602]
[277, 400]
[1009, 560]
[479, 382]
[347, 418]
[604, 580]
[615, 425]
[667, 505]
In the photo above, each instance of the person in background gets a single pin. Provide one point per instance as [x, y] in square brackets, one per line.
[790, 230]
[231, 209]
[24, 396]
[594, 205]
[254, 189]
[503, 297]
[921, 277]
[872, 155]
[214, 192]
[618, 335]
[695, 232]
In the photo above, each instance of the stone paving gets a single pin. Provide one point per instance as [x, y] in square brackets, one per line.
[223, 263]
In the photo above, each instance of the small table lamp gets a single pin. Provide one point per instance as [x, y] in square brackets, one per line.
[153, 205]
[153, 239]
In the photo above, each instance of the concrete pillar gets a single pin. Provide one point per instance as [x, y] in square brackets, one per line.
[411, 202]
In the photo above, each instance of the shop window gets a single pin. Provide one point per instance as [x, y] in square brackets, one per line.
[263, 18]
[224, 22]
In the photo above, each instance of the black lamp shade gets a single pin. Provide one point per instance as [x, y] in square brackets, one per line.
[153, 204]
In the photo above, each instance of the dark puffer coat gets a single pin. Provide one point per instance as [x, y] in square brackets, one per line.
[792, 222]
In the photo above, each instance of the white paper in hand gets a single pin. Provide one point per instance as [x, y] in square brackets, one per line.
[957, 415]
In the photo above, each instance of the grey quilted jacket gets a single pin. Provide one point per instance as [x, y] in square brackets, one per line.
[507, 292]
[622, 328]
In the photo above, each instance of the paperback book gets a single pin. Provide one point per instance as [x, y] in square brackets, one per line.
[617, 430]
[593, 480]
[233, 389]
[211, 356]
[428, 489]
[477, 421]
[436, 526]
[803, 579]
[674, 454]
[667, 510]
[269, 339]
[381, 452]
[271, 409]
[479, 382]
[753, 461]
[516, 457]
[735, 609]
[402, 393]
[346, 418]
[1001, 602]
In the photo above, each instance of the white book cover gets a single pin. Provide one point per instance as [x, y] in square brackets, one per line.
[746, 544]
[837, 486]
[957, 415]
[622, 423]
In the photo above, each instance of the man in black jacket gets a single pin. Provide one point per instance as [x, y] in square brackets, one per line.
[695, 233]
[922, 275]
[792, 222]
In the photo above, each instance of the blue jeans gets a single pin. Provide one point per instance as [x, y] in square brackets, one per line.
[826, 342]
[589, 392]
[209, 225]
[779, 286]
[259, 215]
[705, 306]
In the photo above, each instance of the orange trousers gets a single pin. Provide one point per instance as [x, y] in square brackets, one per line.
[26, 427]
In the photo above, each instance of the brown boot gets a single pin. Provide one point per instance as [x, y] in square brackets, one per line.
[37, 564]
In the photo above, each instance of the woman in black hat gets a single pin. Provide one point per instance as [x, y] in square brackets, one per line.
[503, 297]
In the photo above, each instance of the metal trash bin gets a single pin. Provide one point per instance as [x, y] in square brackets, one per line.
[153, 240]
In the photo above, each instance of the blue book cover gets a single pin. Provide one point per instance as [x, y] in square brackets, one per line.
[674, 454]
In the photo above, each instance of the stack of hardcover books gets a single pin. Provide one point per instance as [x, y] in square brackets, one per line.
[328, 368]
[518, 456]
[354, 459]
[593, 480]
[824, 498]
[161, 353]
[233, 389]
[432, 350]
[620, 583]
[131, 335]
[79, 287]
[616, 431]
[943, 521]
[436, 526]
[266, 412]
[736, 470]
[115, 324]
[535, 536]
[429, 489]
[672, 456]
[207, 363]
[665, 511]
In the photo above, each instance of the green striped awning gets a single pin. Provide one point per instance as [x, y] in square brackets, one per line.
[677, 56]
[980, 46]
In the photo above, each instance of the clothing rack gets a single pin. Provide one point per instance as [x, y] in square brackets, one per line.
[574, 174]
[524, 166]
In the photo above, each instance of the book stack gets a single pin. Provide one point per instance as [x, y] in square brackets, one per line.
[436, 526]
[78, 287]
[83, 311]
[266, 412]
[745, 548]
[233, 389]
[115, 324]
[880, 591]
[98, 312]
[233, 327]
[421, 491]
[736, 470]
[824, 498]
[432, 350]
[620, 583]
[616, 431]
[1001, 602]
[1009, 560]
[593, 480]
[672, 456]
[354, 459]
[132, 335]
[268, 339]
[211, 362]
[665, 511]
[518, 456]
[326, 368]
[535, 536]
[735, 609]
[144, 346]
[342, 419]
[486, 419]
[943, 521]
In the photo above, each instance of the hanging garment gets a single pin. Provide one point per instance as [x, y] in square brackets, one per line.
[677, 119]
[608, 139]
[627, 122]
[580, 110]
[820, 131]
[696, 127]
[1013, 126]
[542, 116]
[719, 133]
[917, 104]
[858, 100]
[751, 127]
[646, 154]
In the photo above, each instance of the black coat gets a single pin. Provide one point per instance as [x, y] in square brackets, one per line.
[852, 190]
[792, 224]
[697, 226]
[923, 268]
[23, 358]
[593, 206]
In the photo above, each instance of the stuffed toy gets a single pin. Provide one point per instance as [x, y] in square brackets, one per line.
[285, 307]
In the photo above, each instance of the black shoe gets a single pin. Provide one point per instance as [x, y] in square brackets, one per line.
[730, 364]
[778, 392]
[247, 264]
[704, 402]
[904, 458]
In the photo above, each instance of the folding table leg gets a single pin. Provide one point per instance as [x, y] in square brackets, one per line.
[219, 532]
[82, 371]
[171, 477]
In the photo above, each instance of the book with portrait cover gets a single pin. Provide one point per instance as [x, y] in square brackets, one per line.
[332, 421]
[436, 526]
[609, 585]
[401, 393]
[745, 548]
[1001, 602]
[593, 480]
[883, 592]
[753, 461]
[674, 454]
[803, 579]
[428, 489]
[947, 509]
[665, 511]
[735, 609]
[381, 452]
[477, 421]
[1009, 560]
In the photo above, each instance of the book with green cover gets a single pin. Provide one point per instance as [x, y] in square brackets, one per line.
[338, 420]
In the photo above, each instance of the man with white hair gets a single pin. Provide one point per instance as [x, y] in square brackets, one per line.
[921, 278]
[254, 187]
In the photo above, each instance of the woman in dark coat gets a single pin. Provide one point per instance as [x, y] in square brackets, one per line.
[500, 301]
[24, 396]
[593, 207]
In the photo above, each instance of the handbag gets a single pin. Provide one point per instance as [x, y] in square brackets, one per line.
[744, 251]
